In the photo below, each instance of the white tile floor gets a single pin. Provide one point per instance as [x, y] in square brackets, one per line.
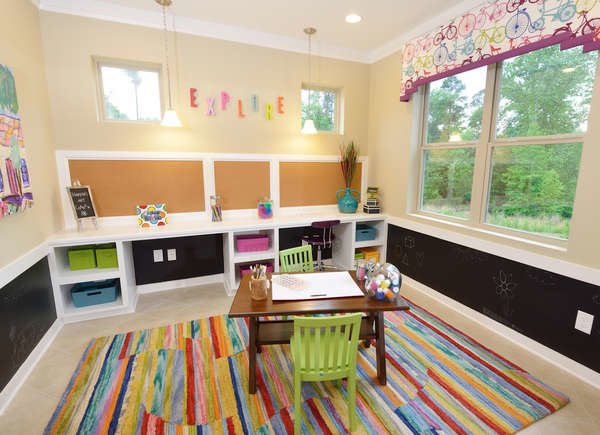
[35, 402]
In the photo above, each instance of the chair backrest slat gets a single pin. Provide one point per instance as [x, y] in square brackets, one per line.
[327, 343]
[297, 259]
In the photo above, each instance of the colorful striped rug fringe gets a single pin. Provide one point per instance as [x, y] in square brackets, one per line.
[192, 378]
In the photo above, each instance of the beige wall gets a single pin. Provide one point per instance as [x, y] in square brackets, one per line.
[207, 64]
[394, 162]
[21, 50]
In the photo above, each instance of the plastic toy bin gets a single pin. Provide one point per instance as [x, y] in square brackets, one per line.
[106, 256]
[85, 294]
[81, 257]
[365, 232]
[251, 242]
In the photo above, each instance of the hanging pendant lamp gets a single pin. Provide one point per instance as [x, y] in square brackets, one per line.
[309, 124]
[170, 118]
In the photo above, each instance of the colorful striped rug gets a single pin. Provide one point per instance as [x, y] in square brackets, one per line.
[191, 378]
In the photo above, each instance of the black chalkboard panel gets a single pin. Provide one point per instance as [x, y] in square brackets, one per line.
[82, 202]
[196, 256]
[26, 313]
[537, 303]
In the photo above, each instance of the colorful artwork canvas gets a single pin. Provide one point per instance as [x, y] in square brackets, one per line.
[15, 183]
[152, 215]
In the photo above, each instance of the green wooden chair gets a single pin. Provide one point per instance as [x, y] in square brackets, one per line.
[296, 259]
[324, 349]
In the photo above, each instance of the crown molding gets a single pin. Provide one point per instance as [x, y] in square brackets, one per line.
[101, 10]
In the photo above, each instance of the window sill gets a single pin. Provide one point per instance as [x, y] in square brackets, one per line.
[560, 246]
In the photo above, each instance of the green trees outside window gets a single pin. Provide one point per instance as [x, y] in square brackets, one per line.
[321, 108]
[532, 147]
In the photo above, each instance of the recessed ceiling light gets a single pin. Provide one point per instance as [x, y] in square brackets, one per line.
[353, 18]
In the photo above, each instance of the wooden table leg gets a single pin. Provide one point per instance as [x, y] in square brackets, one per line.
[252, 358]
[371, 323]
[380, 349]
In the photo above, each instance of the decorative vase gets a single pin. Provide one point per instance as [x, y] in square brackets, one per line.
[346, 202]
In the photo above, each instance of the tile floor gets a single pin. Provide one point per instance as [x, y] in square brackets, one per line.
[32, 407]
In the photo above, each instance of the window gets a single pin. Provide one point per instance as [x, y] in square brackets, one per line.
[322, 107]
[505, 151]
[129, 91]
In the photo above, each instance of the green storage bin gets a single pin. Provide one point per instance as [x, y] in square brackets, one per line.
[106, 256]
[81, 257]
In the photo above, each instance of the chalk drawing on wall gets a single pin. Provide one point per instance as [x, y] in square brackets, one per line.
[505, 289]
[15, 183]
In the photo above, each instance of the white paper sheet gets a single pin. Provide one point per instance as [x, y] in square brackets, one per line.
[323, 285]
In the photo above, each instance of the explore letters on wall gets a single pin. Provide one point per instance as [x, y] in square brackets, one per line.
[15, 183]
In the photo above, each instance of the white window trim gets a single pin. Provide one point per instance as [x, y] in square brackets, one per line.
[99, 62]
[482, 166]
[338, 127]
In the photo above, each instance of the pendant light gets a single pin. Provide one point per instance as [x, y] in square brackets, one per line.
[170, 118]
[309, 124]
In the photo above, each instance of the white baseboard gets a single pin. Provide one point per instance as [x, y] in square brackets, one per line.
[573, 367]
[13, 386]
[180, 283]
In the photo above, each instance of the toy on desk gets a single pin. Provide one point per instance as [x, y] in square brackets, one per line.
[265, 209]
[383, 282]
[152, 215]
[372, 205]
[216, 208]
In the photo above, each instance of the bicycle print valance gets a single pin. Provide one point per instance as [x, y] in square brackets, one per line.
[497, 30]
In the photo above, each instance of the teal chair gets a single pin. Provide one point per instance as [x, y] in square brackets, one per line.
[324, 349]
[298, 259]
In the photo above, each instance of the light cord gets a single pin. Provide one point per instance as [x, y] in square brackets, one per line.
[164, 13]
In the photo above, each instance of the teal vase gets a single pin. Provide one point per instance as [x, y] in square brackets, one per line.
[347, 203]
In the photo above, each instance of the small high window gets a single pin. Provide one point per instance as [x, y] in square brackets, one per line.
[322, 107]
[129, 91]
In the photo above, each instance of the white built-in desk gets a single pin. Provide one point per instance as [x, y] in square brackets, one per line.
[123, 236]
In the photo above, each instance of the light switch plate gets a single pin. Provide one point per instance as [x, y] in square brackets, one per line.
[584, 322]
[158, 255]
[171, 254]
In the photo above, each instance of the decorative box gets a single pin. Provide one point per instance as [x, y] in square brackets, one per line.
[371, 254]
[106, 256]
[85, 294]
[251, 243]
[365, 232]
[81, 257]
[245, 270]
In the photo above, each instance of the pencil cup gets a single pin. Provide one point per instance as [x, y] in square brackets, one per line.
[258, 288]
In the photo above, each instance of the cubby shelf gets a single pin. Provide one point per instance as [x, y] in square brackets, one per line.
[66, 276]
[245, 257]
[368, 243]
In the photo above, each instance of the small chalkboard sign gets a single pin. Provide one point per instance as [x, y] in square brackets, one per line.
[82, 203]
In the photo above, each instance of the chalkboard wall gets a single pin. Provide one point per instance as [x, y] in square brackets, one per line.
[537, 303]
[26, 313]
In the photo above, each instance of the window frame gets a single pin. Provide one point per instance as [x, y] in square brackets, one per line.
[482, 171]
[338, 118]
[99, 62]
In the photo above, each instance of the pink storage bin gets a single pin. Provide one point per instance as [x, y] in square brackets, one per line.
[245, 270]
[251, 243]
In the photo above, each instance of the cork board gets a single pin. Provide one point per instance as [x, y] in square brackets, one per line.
[119, 185]
[312, 183]
[242, 184]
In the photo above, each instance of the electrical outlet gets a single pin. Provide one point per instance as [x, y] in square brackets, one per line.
[584, 322]
[158, 256]
[171, 254]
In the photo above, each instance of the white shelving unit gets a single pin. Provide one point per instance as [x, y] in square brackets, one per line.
[379, 242]
[63, 279]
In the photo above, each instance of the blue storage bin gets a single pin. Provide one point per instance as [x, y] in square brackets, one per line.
[85, 294]
[365, 232]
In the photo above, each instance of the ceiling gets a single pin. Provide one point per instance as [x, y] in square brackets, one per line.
[279, 23]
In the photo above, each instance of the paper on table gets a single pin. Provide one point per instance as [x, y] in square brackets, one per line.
[318, 286]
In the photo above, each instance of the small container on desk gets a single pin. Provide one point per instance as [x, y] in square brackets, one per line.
[265, 209]
[245, 270]
[216, 209]
[85, 294]
[82, 257]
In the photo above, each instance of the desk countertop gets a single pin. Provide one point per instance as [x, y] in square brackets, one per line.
[189, 227]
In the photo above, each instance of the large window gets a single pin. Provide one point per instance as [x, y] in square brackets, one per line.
[129, 91]
[322, 107]
[501, 145]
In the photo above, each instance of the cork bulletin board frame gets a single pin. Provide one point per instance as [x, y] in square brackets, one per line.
[119, 186]
[241, 184]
